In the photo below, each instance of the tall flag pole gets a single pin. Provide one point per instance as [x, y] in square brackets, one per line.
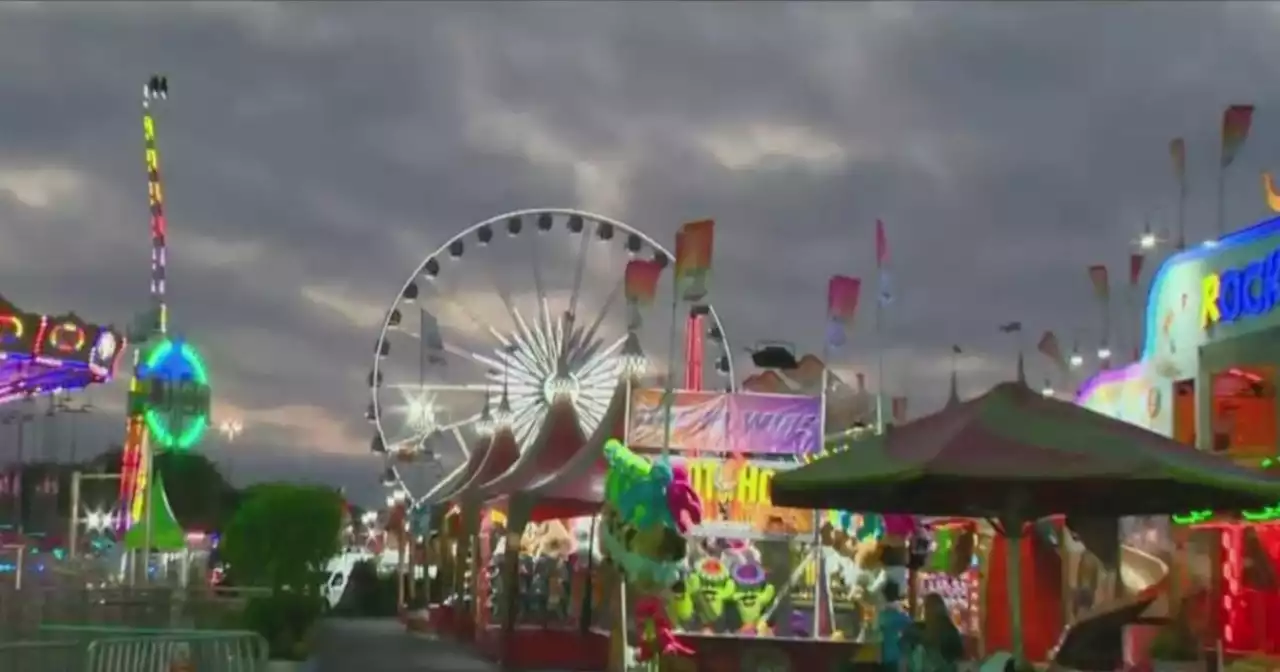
[953, 395]
[1178, 155]
[843, 295]
[1102, 292]
[1136, 262]
[884, 298]
[694, 244]
[1236, 120]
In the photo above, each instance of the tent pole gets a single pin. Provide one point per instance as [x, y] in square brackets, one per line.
[1013, 576]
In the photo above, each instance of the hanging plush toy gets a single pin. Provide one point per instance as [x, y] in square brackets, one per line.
[649, 508]
[898, 531]
[656, 636]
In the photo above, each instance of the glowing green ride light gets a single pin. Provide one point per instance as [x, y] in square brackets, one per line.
[177, 424]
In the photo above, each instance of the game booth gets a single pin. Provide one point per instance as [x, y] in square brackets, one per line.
[540, 570]
[1207, 377]
[963, 560]
[460, 498]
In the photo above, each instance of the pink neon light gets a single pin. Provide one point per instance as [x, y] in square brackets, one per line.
[693, 353]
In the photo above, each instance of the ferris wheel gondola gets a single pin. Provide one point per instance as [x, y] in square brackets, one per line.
[505, 318]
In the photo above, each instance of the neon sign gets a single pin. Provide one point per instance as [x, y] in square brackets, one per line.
[1247, 291]
[67, 338]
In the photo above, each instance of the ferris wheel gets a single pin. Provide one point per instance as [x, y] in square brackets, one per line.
[510, 314]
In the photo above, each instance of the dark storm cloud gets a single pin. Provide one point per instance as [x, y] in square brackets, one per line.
[313, 151]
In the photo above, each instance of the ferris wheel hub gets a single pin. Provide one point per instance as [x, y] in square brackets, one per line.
[561, 387]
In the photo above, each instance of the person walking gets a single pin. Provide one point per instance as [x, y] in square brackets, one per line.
[940, 644]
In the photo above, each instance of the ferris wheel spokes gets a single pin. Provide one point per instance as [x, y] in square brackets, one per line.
[577, 271]
[591, 331]
[568, 335]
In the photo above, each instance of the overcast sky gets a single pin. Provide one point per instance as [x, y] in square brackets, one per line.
[314, 153]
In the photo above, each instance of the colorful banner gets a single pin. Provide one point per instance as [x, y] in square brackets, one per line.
[699, 420]
[1236, 121]
[1178, 154]
[842, 306]
[1135, 268]
[1050, 348]
[842, 298]
[641, 281]
[1101, 284]
[694, 244]
[882, 245]
[748, 424]
[774, 424]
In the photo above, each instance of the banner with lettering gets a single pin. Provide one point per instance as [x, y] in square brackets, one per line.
[747, 424]
[735, 493]
[774, 424]
[699, 420]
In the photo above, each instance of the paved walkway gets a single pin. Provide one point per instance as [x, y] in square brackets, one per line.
[382, 645]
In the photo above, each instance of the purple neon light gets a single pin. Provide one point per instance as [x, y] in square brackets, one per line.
[22, 376]
[1107, 377]
[1240, 238]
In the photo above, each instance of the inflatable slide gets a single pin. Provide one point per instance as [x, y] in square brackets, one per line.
[1093, 641]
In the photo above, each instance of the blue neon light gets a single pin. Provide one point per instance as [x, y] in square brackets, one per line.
[1249, 290]
[1240, 238]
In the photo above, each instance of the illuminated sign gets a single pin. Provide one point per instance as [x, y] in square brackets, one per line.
[66, 338]
[737, 491]
[1247, 291]
[750, 482]
[11, 329]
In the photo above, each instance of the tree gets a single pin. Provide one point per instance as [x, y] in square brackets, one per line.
[283, 535]
[201, 497]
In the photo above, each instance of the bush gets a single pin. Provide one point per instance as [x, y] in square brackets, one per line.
[286, 620]
[281, 537]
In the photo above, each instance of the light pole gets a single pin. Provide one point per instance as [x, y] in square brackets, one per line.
[230, 429]
[67, 407]
[20, 419]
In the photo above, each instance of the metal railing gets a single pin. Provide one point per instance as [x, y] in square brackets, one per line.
[27, 613]
[179, 652]
[125, 650]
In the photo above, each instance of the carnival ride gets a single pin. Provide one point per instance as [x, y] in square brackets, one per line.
[570, 337]
[48, 354]
[44, 355]
[169, 395]
[531, 405]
